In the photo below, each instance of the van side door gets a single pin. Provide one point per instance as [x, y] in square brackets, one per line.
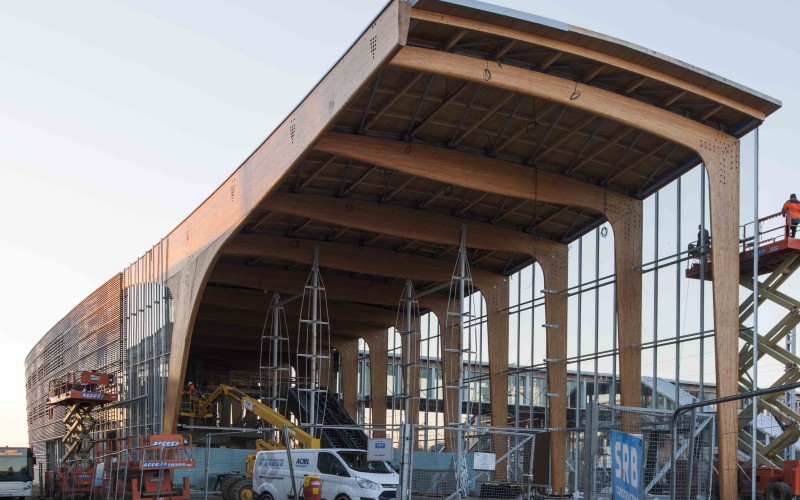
[334, 475]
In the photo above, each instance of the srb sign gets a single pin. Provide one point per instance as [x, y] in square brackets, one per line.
[626, 454]
[379, 449]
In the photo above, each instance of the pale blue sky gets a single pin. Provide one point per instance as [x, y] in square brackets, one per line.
[118, 118]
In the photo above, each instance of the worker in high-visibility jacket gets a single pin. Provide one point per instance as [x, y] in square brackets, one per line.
[791, 210]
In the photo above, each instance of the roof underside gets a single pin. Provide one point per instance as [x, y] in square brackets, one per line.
[482, 120]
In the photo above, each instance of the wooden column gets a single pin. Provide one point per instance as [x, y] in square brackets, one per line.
[378, 356]
[555, 270]
[628, 260]
[723, 187]
[325, 369]
[348, 350]
[496, 296]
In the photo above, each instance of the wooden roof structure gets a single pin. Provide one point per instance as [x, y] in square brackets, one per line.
[449, 113]
[452, 118]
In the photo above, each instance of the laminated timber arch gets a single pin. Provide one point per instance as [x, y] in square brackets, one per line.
[610, 124]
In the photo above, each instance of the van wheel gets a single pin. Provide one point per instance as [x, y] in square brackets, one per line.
[264, 496]
[343, 497]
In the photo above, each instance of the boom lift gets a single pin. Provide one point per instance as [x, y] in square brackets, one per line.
[202, 406]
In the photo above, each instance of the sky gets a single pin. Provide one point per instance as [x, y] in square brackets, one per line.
[118, 118]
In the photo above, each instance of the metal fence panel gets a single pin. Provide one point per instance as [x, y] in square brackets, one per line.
[693, 454]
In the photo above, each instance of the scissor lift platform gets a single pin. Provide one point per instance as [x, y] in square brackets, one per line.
[774, 248]
[778, 258]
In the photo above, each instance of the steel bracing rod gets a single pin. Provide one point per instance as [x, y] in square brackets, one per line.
[552, 127]
[375, 87]
[397, 95]
[613, 171]
[433, 114]
[525, 128]
[507, 122]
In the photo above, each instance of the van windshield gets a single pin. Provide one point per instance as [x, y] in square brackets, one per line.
[357, 460]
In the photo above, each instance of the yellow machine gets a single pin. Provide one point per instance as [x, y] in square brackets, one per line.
[202, 406]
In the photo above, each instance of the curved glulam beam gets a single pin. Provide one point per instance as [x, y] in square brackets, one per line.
[351, 258]
[596, 55]
[251, 335]
[292, 282]
[336, 287]
[479, 173]
[258, 301]
[407, 223]
[291, 312]
[593, 100]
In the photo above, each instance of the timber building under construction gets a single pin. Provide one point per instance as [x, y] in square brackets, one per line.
[460, 233]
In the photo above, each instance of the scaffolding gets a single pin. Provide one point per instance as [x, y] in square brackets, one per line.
[313, 349]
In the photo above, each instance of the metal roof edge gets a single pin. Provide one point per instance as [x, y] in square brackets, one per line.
[508, 12]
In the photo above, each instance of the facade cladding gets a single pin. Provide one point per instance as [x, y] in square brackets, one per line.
[122, 328]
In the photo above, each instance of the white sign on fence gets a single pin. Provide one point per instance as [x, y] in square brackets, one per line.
[484, 461]
[379, 449]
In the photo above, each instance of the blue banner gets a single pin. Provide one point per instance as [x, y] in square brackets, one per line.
[626, 460]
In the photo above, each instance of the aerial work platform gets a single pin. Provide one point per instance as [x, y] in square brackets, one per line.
[774, 248]
[779, 258]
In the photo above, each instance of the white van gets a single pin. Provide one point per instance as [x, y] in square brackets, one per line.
[346, 475]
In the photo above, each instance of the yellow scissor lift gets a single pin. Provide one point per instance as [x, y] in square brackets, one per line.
[779, 257]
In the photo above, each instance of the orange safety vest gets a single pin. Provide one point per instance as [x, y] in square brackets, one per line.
[792, 208]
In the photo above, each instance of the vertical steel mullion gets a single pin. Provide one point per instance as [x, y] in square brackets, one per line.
[519, 347]
[613, 393]
[703, 252]
[756, 237]
[654, 391]
[533, 352]
[791, 340]
[596, 313]
[427, 367]
[580, 335]
[678, 298]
